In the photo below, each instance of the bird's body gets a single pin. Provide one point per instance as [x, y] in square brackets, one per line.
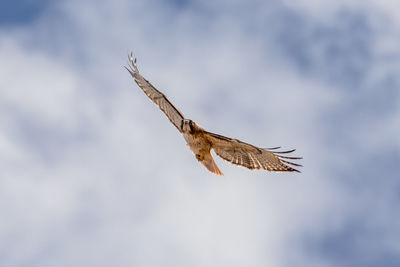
[201, 142]
[196, 141]
[199, 145]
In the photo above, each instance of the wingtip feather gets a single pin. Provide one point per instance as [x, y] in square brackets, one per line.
[132, 62]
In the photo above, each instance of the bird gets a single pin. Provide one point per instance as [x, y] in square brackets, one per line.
[201, 141]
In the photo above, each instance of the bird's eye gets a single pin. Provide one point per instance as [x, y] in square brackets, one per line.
[191, 126]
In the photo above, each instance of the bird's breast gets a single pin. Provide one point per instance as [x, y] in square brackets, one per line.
[197, 143]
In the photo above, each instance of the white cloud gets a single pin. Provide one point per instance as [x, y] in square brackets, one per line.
[96, 175]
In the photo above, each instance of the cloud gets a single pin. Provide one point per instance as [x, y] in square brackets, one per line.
[94, 174]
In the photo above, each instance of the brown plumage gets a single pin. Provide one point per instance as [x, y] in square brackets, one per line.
[201, 142]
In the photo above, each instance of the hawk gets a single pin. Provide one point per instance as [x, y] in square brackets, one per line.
[201, 142]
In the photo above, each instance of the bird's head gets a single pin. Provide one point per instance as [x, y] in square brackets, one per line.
[188, 126]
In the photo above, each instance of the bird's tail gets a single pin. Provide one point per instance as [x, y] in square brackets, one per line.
[210, 164]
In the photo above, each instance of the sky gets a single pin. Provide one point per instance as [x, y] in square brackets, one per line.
[93, 174]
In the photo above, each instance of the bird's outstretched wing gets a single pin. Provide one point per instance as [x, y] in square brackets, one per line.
[249, 156]
[173, 114]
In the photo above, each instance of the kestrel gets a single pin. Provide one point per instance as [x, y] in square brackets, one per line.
[201, 142]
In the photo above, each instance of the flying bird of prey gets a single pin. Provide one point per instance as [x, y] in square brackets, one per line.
[201, 142]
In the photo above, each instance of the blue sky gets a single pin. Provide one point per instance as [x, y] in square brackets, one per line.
[93, 174]
[14, 13]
